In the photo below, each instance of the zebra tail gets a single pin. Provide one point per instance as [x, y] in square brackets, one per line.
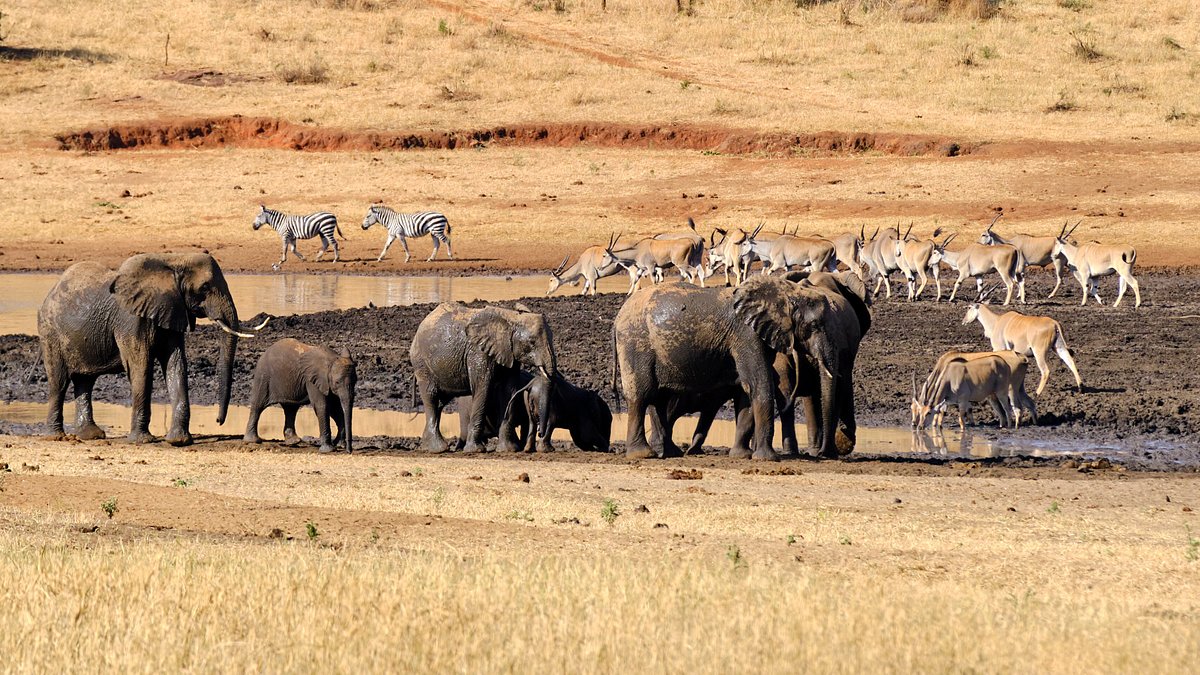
[338, 228]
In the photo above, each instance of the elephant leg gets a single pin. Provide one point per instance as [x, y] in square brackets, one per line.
[431, 439]
[480, 388]
[141, 378]
[56, 392]
[743, 430]
[812, 422]
[174, 367]
[85, 423]
[506, 433]
[320, 405]
[334, 405]
[636, 445]
[290, 437]
[829, 404]
[787, 429]
[259, 400]
[846, 436]
[669, 449]
[703, 425]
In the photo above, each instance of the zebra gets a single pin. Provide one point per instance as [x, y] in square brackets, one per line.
[291, 228]
[403, 225]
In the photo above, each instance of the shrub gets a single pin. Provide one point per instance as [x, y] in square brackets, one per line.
[314, 71]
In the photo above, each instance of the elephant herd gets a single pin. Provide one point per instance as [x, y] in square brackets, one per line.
[767, 345]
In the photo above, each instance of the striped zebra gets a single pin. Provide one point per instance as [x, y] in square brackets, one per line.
[292, 228]
[403, 225]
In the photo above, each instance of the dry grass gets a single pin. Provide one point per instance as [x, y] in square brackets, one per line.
[821, 571]
[764, 60]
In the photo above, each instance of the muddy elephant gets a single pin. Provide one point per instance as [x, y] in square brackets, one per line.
[707, 405]
[681, 341]
[847, 320]
[458, 350]
[582, 412]
[98, 322]
[291, 374]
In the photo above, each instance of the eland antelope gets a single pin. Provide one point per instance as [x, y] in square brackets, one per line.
[1094, 260]
[1019, 398]
[696, 256]
[730, 252]
[918, 259]
[1030, 335]
[879, 254]
[788, 250]
[1037, 251]
[963, 382]
[647, 255]
[848, 248]
[593, 264]
[976, 260]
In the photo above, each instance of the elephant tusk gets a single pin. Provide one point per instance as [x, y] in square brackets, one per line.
[545, 373]
[261, 325]
[231, 331]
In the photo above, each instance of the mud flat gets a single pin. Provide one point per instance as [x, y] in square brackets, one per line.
[1138, 366]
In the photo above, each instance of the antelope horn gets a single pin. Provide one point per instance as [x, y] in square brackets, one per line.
[561, 266]
[231, 331]
[1062, 231]
[1072, 230]
[998, 217]
[756, 230]
[905, 237]
[875, 233]
[862, 232]
[948, 239]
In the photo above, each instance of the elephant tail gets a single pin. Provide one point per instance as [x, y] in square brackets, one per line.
[29, 374]
[616, 388]
[412, 384]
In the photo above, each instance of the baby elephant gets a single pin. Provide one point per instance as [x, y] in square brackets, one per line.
[293, 374]
[580, 411]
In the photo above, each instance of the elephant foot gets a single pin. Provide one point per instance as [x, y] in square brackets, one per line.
[472, 448]
[435, 444]
[141, 436]
[671, 451]
[790, 448]
[292, 440]
[639, 452]
[508, 446]
[89, 432]
[544, 446]
[767, 455]
[179, 439]
[59, 435]
[739, 453]
[326, 447]
[251, 438]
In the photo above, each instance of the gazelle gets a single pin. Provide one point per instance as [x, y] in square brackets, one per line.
[963, 382]
[788, 250]
[1030, 335]
[879, 254]
[1037, 251]
[976, 260]
[1018, 396]
[1093, 260]
[648, 254]
[591, 267]
[918, 259]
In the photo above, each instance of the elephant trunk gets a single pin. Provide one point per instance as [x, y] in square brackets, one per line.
[220, 306]
[544, 410]
[347, 414]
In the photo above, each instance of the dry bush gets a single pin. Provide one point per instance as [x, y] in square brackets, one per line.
[927, 11]
[1064, 103]
[312, 71]
[1084, 46]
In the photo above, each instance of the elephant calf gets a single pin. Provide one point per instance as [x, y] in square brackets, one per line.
[293, 374]
[580, 411]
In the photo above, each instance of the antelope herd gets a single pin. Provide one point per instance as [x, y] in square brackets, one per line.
[958, 379]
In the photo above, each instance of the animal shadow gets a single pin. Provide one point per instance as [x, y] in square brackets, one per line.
[32, 53]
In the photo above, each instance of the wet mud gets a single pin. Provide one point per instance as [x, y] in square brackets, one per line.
[1140, 367]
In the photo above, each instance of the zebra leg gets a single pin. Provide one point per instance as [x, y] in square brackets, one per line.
[282, 256]
[404, 243]
[449, 251]
[336, 254]
[324, 247]
[296, 251]
[386, 246]
[436, 243]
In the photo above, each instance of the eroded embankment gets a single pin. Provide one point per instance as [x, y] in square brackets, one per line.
[268, 132]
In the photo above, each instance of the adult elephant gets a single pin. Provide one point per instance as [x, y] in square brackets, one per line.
[458, 351]
[99, 322]
[847, 319]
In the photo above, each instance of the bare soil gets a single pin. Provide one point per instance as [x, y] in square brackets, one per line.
[1140, 385]
[263, 132]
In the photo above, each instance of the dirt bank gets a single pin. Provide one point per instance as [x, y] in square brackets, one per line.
[1137, 366]
[274, 133]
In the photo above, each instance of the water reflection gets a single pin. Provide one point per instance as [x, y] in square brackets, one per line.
[282, 294]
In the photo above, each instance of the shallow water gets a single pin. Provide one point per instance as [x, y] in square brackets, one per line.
[871, 440]
[282, 294]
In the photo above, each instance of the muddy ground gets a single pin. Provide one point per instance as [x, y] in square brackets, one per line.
[1138, 366]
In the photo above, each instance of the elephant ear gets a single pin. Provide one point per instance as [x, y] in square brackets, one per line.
[765, 305]
[493, 333]
[858, 295]
[148, 287]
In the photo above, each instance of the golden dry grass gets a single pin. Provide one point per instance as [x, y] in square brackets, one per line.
[1084, 575]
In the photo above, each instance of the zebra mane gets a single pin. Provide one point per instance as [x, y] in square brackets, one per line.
[381, 208]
